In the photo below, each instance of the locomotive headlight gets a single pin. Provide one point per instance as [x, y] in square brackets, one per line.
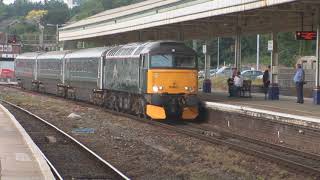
[160, 88]
[188, 88]
[155, 88]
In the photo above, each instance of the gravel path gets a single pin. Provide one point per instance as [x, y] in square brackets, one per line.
[144, 151]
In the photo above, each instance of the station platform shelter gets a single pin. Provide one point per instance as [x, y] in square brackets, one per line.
[20, 158]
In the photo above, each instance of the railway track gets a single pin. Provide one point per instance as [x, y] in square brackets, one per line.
[67, 157]
[295, 159]
[291, 158]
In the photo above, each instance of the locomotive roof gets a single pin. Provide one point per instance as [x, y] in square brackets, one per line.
[135, 49]
[88, 53]
[29, 55]
[53, 55]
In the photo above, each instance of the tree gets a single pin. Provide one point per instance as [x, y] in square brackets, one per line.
[58, 12]
[36, 15]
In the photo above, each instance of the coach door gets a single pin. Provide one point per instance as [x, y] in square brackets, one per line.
[100, 73]
[67, 66]
[143, 69]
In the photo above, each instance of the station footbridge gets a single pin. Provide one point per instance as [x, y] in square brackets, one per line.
[200, 19]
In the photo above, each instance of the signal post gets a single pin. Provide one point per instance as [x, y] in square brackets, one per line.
[316, 91]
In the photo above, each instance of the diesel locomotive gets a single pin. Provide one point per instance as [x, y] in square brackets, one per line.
[154, 79]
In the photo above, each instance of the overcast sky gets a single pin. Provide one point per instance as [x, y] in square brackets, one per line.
[11, 1]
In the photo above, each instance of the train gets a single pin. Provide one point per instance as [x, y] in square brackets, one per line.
[156, 79]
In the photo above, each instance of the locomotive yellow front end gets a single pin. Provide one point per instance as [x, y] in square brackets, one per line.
[172, 85]
[173, 94]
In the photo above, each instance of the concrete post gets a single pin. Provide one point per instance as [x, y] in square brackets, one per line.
[237, 49]
[41, 36]
[57, 37]
[207, 82]
[316, 92]
[274, 88]
[218, 54]
[206, 61]
[258, 51]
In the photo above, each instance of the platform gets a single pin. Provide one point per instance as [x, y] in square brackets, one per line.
[285, 110]
[20, 158]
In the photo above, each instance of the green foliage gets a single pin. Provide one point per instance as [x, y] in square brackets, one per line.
[58, 12]
[90, 7]
[3, 11]
[289, 50]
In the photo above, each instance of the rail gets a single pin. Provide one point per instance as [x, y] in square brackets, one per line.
[101, 160]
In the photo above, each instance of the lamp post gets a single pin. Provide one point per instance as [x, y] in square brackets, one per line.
[57, 26]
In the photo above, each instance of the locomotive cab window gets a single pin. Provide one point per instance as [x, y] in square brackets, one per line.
[161, 60]
[172, 61]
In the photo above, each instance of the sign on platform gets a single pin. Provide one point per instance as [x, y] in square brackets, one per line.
[204, 49]
[9, 48]
[5, 48]
[7, 55]
[306, 35]
[270, 45]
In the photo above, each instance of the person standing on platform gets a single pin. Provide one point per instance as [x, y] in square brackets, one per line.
[266, 82]
[238, 83]
[230, 82]
[299, 82]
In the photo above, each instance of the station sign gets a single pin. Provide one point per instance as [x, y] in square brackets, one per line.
[6, 48]
[204, 49]
[306, 35]
[270, 45]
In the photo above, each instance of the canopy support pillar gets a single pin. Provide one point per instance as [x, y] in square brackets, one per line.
[316, 91]
[274, 88]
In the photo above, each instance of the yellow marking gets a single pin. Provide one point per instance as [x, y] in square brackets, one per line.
[190, 113]
[156, 112]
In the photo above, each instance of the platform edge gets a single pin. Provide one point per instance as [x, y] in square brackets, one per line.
[44, 167]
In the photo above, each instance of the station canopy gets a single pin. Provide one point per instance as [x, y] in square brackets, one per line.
[193, 19]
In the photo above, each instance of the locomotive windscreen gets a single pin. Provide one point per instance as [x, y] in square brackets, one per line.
[172, 61]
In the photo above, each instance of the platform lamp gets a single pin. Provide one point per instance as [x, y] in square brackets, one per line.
[57, 32]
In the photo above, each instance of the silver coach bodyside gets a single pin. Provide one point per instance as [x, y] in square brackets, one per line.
[82, 74]
[26, 69]
[50, 71]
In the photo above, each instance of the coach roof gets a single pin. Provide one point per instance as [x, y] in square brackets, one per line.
[53, 55]
[29, 55]
[88, 53]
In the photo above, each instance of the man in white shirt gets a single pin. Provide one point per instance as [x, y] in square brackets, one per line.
[238, 80]
[238, 83]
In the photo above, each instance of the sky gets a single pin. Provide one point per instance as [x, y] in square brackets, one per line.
[11, 1]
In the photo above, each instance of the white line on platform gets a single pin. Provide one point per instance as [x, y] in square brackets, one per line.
[259, 112]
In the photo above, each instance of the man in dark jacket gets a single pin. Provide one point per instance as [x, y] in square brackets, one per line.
[266, 82]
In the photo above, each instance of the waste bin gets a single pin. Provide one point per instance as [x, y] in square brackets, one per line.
[207, 86]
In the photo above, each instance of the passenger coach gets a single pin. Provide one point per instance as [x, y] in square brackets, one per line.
[155, 79]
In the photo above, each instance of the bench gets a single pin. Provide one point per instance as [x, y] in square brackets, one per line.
[245, 90]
